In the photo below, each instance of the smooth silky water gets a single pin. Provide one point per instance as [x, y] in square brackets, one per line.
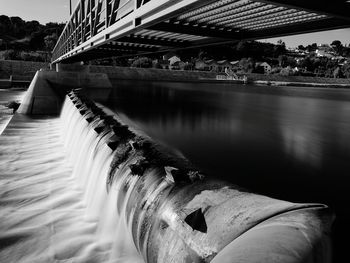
[290, 143]
[53, 194]
[56, 202]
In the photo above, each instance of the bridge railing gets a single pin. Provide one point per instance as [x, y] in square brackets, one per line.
[89, 18]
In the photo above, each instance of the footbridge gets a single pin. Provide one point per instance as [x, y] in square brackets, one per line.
[104, 28]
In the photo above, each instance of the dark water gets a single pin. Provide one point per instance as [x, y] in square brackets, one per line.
[287, 143]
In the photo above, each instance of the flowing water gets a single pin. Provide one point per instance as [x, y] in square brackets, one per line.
[53, 199]
[288, 143]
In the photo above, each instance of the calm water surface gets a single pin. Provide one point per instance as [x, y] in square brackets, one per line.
[288, 143]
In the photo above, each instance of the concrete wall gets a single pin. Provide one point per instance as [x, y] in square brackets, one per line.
[151, 74]
[48, 88]
[21, 70]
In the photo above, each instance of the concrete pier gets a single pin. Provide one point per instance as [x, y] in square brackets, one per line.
[47, 90]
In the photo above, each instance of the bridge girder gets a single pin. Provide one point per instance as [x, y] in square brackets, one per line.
[164, 24]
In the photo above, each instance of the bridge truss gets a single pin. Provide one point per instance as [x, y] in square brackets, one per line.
[105, 28]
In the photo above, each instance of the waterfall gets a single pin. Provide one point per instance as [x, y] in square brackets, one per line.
[86, 136]
[84, 187]
[164, 207]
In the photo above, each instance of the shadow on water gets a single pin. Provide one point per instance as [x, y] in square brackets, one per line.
[288, 143]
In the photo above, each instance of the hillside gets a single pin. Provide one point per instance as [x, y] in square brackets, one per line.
[18, 36]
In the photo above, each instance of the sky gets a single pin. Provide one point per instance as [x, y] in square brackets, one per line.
[46, 11]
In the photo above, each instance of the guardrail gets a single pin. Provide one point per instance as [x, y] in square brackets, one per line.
[89, 18]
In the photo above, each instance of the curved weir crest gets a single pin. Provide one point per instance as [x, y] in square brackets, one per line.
[91, 156]
[121, 197]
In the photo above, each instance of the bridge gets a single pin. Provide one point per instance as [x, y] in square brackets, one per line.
[105, 28]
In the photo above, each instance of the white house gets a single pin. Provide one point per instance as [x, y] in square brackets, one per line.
[266, 66]
[173, 59]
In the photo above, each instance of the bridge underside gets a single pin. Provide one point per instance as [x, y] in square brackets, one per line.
[106, 28]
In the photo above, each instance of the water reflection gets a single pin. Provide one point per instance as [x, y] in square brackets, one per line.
[289, 143]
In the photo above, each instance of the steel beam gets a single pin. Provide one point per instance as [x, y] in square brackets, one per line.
[95, 23]
[334, 8]
[196, 30]
[154, 41]
[301, 28]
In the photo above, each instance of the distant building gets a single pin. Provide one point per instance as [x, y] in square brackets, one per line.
[324, 51]
[216, 66]
[173, 59]
[265, 67]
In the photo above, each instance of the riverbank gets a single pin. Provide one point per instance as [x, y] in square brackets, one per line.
[117, 73]
[297, 81]
[23, 71]
[299, 84]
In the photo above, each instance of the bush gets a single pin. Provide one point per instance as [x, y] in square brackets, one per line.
[142, 62]
[288, 71]
[9, 55]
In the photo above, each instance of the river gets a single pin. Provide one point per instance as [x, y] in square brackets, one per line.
[288, 143]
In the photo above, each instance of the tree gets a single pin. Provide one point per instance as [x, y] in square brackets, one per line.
[280, 48]
[9, 55]
[346, 70]
[142, 62]
[288, 71]
[282, 59]
[301, 47]
[337, 46]
[337, 73]
[311, 47]
[247, 64]
[50, 41]
[18, 26]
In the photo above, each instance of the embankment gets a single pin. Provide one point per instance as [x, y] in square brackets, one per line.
[25, 71]
[299, 81]
[115, 73]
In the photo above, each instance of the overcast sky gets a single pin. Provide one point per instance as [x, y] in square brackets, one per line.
[58, 11]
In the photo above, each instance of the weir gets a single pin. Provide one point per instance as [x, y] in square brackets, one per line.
[84, 187]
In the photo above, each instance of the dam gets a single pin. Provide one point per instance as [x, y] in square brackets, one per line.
[80, 183]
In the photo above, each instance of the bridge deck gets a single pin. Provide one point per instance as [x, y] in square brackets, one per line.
[104, 28]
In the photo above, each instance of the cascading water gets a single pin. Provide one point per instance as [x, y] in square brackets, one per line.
[53, 195]
[87, 146]
[85, 188]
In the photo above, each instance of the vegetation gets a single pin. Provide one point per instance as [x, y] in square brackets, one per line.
[31, 41]
[27, 40]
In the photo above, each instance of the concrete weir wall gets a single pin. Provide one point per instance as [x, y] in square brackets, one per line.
[174, 212]
[47, 90]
